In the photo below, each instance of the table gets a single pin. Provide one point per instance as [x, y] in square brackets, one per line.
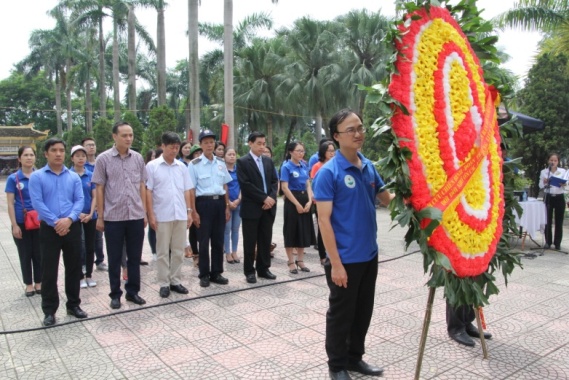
[534, 219]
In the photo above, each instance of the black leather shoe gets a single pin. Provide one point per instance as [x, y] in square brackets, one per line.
[135, 299]
[49, 320]
[462, 338]
[251, 278]
[340, 375]
[164, 292]
[204, 282]
[219, 279]
[364, 368]
[116, 303]
[268, 275]
[179, 289]
[557, 247]
[473, 332]
[77, 312]
[142, 262]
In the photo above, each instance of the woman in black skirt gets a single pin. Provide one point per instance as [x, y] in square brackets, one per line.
[298, 229]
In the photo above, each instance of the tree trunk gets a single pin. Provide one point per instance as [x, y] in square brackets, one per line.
[58, 104]
[187, 118]
[193, 63]
[102, 87]
[131, 61]
[228, 70]
[116, 79]
[270, 131]
[318, 128]
[68, 94]
[161, 55]
[88, 104]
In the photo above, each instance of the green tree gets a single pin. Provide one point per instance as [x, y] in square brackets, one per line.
[103, 134]
[162, 119]
[545, 97]
[28, 99]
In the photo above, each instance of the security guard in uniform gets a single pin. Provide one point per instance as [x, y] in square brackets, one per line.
[211, 208]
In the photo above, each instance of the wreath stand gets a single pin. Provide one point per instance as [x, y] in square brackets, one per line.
[424, 333]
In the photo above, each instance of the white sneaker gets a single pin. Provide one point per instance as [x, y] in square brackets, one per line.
[83, 284]
[102, 266]
[91, 283]
[154, 257]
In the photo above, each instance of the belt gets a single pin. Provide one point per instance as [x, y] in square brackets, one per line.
[215, 197]
[298, 191]
[556, 195]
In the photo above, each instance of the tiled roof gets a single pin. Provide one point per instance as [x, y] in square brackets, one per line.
[21, 131]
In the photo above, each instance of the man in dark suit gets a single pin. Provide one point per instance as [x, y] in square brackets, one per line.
[258, 181]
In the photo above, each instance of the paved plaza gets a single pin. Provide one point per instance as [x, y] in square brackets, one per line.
[275, 329]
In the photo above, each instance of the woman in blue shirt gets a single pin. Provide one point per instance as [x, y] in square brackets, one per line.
[88, 216]
[298, 229]
[27, 241]
[234, 222]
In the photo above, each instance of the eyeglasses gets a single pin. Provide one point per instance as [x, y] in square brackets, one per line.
[352, 131]
[298, 151]
[331, 151]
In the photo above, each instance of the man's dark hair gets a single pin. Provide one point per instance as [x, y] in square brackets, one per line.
[254, 136]
[324, 149]
[170, 138]
[339, 117]
[119, 124]
[87, 139]
[51, 142]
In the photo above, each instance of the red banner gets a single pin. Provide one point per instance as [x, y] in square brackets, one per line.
[224, 133]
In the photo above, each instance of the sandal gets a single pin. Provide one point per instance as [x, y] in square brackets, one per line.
[294, 270]
[302, 269]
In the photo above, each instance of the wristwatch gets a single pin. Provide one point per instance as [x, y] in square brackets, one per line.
[190, 210]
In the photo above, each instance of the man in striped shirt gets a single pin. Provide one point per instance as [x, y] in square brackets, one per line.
[120, 176]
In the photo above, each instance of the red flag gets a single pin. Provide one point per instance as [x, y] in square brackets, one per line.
[224, 133]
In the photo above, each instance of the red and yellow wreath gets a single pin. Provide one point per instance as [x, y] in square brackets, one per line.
[452, 132]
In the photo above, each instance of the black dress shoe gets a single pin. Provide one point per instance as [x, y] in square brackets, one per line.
[77, 312]
[251, 278]
[340, 375]
[268, 275]
[364, 368]
[179, 289]
[30, 293]
[473, 332]
[116, 303]
[164, 291]
[462, 338]
[49, 320]
[204, 282]
[142, 262]
[557, 247]
[135, 299]
[219, 279]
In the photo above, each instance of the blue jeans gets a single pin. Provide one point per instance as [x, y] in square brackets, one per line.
[232, 230]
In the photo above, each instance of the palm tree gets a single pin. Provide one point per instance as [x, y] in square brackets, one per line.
[193, 67]
[548, 16]
[238, 39]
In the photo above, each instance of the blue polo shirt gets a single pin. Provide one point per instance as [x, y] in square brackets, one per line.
[233, 186]
[90, 167]
[295, 175]
[24, 187]
[312, 160]
[352, 192]
[88, 188]
[56, 196]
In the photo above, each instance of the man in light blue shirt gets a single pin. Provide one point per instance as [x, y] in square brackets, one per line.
[57, 195]
[211, 209]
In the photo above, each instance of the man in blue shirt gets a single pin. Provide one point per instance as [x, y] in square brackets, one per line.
[345, 189]
[57, 195]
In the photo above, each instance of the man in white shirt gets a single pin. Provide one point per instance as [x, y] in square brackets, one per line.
[169, 212]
